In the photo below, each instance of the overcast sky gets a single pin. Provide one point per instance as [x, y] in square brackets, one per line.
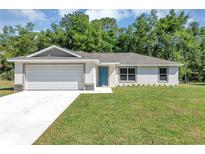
[43, 18]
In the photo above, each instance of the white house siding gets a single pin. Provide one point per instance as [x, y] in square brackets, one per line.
[173, 75]
[18, 73]
[113, 80]
[90, 74]
[149, 75]
[97, 75]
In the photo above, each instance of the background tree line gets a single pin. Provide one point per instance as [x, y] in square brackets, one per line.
[171, 37]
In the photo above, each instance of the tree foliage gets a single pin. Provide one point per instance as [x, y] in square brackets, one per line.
[171, 37]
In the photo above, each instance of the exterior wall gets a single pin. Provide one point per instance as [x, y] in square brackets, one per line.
[90, 75]
[18, 73]
[97, 76]
[173, 76]
[145, 75]
[18, 76]
[112, 76]
[149, 75]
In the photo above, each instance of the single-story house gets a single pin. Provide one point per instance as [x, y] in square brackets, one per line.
[56, 68]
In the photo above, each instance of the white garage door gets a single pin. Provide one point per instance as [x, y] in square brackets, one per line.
[54, 77]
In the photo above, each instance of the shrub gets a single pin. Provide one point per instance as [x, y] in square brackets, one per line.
[7, 75]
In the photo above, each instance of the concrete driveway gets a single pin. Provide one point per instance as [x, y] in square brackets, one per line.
[24, 116]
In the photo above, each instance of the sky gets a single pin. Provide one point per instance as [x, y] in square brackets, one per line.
[43, 18]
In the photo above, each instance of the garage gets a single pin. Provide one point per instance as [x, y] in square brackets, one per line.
[54, 77]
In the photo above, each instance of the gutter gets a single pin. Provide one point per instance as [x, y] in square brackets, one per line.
[54, 60]
[97, 61]
[151, 64]
[114, 63]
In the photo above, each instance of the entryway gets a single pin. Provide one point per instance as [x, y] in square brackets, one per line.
[103, 76]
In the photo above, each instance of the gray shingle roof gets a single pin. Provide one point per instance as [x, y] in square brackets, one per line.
[122, 58]
[126, 58]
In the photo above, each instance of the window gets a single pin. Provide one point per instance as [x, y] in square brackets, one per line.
[163, 74]
[127, 74]
[123, 74]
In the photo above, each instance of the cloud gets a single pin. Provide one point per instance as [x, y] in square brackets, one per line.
[62, 12]
[138, 12]
[34, 14]
[190, 20]
[15, 17]
[122, 14]
[160, 13]
[31, 15]
[117, 14]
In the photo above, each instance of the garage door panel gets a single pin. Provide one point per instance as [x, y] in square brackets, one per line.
[39, 77]
[50, 80]
[52, 86]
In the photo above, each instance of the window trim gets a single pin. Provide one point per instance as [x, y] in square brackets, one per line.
[167, 74]
[128, 81]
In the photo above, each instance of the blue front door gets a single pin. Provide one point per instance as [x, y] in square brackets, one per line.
[103, 76]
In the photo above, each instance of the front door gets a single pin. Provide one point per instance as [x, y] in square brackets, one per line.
[103, 76]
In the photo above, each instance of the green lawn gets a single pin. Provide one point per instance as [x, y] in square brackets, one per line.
[133, 115]
[6, 87]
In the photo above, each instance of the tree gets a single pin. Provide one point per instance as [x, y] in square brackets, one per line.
[145, 33]
[170, 37]
[77, 29]
[125, 40]
[107, 29]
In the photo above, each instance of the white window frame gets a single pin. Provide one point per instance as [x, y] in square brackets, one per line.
[167, 72]
[127, 74]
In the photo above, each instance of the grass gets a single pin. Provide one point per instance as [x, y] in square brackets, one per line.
[6, 87]
[133, 115]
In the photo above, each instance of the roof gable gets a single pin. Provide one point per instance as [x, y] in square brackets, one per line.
[53, 51]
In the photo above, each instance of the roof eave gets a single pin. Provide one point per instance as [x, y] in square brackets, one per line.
[53, 60]
[151, 65]
[109, 63]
